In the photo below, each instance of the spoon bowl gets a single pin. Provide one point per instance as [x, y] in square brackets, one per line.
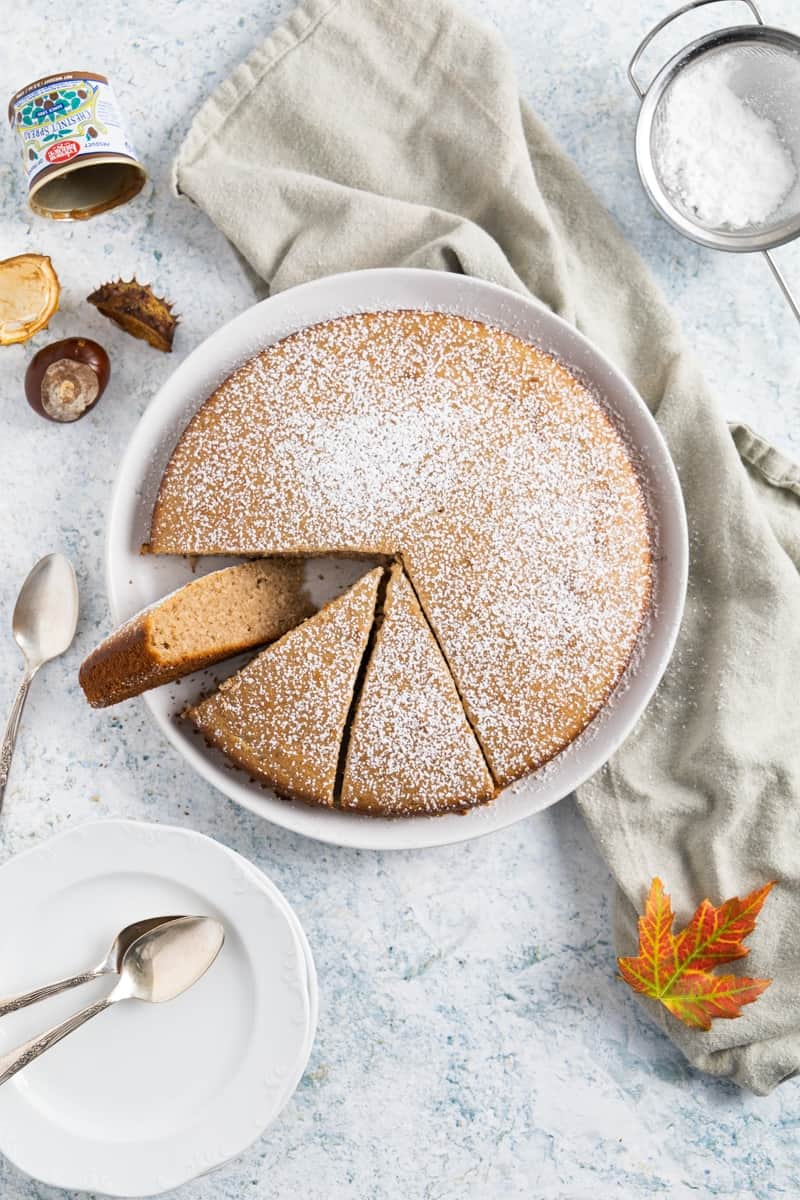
[167, 960]
[44, 623]
[46, 613]
[125, 939]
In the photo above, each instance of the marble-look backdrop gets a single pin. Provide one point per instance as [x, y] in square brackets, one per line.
[473, 1040]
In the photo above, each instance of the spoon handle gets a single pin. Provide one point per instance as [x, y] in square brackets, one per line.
[9, 1004]
[10, 735]
[15, 1060]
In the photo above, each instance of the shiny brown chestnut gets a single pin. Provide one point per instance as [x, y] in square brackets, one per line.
[67, 378]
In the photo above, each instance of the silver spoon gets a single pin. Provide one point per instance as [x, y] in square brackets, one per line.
[44, 623]
[157, 967]
[111, 964]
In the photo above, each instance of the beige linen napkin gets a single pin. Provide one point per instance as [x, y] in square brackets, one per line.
[368, 133]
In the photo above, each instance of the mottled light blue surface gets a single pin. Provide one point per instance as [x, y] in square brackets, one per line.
[473, 1040]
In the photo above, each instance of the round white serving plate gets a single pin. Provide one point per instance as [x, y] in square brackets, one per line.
[311, 981]
[147, 1097]
[136, 580]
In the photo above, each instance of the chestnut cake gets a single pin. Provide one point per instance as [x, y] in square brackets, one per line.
[282, 717]
[205, 621]
[478, 461]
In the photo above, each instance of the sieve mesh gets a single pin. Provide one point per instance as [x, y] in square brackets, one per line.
[731, 117]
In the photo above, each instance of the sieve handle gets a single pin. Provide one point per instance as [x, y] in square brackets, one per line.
[782, 284]
[679, 12]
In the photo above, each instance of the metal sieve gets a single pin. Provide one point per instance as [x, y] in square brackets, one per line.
[765, 74]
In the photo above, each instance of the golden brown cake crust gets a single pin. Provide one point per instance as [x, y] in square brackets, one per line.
[212, 618]
[491, 471]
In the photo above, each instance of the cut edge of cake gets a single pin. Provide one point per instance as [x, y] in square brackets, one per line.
[209, 619]
[410, 747]
[468, 715]
[504, 778]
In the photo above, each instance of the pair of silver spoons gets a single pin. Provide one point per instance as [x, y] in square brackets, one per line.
[156, 960]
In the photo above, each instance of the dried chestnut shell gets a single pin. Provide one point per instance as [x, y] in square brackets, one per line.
[65, 379]
[29, 294]
[136, 309]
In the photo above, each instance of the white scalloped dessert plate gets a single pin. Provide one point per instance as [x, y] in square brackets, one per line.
[135, 580]
[145, 1098]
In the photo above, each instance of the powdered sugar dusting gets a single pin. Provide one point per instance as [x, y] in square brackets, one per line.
[282, 717]
[411, 749]
[724, 162]
[481, 461]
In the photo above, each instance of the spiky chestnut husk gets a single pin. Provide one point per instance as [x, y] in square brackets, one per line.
[136, 309]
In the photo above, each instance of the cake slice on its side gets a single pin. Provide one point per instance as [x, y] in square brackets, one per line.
[282, 718]
[411, 749]
[205, 621]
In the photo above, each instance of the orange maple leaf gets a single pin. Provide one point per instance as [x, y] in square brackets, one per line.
[675, 969]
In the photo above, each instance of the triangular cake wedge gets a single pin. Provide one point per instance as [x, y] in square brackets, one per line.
[202, 623]
[411, 749]
[282, 717]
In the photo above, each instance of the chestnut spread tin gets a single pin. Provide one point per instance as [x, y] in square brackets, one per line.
[77, 155]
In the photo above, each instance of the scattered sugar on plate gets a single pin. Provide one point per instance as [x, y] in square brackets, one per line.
[719, 159]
